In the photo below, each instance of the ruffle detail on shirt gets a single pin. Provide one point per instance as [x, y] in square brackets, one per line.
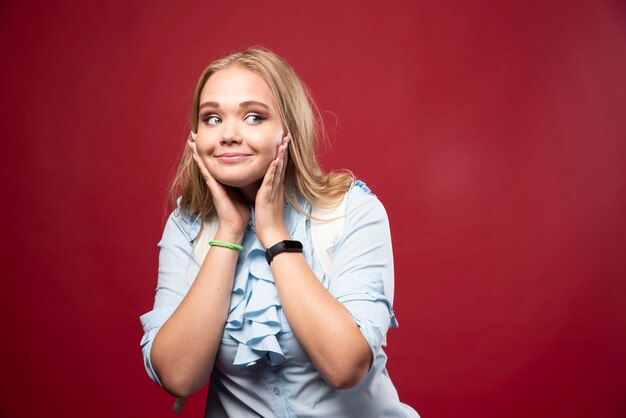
[254, 320]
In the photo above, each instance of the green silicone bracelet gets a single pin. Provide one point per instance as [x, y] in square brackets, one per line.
[226, 245]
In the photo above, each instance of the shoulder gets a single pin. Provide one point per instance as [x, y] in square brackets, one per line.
[361, 203]
[181, 222]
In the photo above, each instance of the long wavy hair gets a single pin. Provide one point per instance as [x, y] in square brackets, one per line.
[299, 116]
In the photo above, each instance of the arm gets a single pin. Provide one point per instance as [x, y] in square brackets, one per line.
[325, 327]
[184, 349]
[339, 340]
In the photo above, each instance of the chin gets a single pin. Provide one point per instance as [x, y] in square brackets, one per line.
[238, 183]
[238, 177]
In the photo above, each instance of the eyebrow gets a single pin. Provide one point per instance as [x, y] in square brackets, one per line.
[242, 104]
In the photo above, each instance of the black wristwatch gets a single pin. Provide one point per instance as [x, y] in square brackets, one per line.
[282, 247]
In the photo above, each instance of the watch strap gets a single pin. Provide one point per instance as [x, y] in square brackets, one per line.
[287, 246]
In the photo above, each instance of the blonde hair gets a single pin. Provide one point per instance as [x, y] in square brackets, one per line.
[303, 176]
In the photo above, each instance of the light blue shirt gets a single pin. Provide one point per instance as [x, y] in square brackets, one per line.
[261, 369]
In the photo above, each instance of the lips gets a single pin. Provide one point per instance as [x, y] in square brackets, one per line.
[232, 157]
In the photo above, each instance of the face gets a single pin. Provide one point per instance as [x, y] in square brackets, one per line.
[239, 128]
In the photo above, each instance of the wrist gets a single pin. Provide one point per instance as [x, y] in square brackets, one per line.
[229, 236]
[272, 237]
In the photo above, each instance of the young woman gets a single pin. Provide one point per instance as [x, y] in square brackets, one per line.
[244, 296]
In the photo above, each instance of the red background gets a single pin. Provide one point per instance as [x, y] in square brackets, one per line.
[494, 133]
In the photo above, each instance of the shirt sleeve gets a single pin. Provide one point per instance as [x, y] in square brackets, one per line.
[362, 269]
[177, 271]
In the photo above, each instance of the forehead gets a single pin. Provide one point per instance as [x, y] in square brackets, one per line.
[236, 84]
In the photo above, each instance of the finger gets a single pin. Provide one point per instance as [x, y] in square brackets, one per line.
[216, 189]
[272, 178]
[192, 146]
[200, 164]
[268, 180]
[278, 170]
[208, 178]
[281, 165]
[281, 152]
[203, 170]
[286, 155]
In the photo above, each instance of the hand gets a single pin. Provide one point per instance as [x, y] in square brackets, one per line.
[232, 209]
[270, 200]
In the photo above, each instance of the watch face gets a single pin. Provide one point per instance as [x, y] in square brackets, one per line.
[292, 245]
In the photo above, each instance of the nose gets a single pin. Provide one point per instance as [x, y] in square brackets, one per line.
[230, 134]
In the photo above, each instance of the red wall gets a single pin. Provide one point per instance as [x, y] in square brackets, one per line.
[494, 132]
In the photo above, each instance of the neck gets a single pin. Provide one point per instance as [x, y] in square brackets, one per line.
[249, 192]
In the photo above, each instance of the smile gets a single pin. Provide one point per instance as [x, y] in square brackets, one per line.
[232, 157]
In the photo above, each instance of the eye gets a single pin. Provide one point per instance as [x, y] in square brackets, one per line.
[211, 120]
[254, 119]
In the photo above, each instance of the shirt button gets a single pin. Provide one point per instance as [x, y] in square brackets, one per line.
[276, 391]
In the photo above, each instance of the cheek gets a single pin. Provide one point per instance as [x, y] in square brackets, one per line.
[205, 145]
[205, 148]
[272, 149]
[266, 143]
[277, 139]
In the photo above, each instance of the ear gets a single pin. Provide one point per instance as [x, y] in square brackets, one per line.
[194, 136]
